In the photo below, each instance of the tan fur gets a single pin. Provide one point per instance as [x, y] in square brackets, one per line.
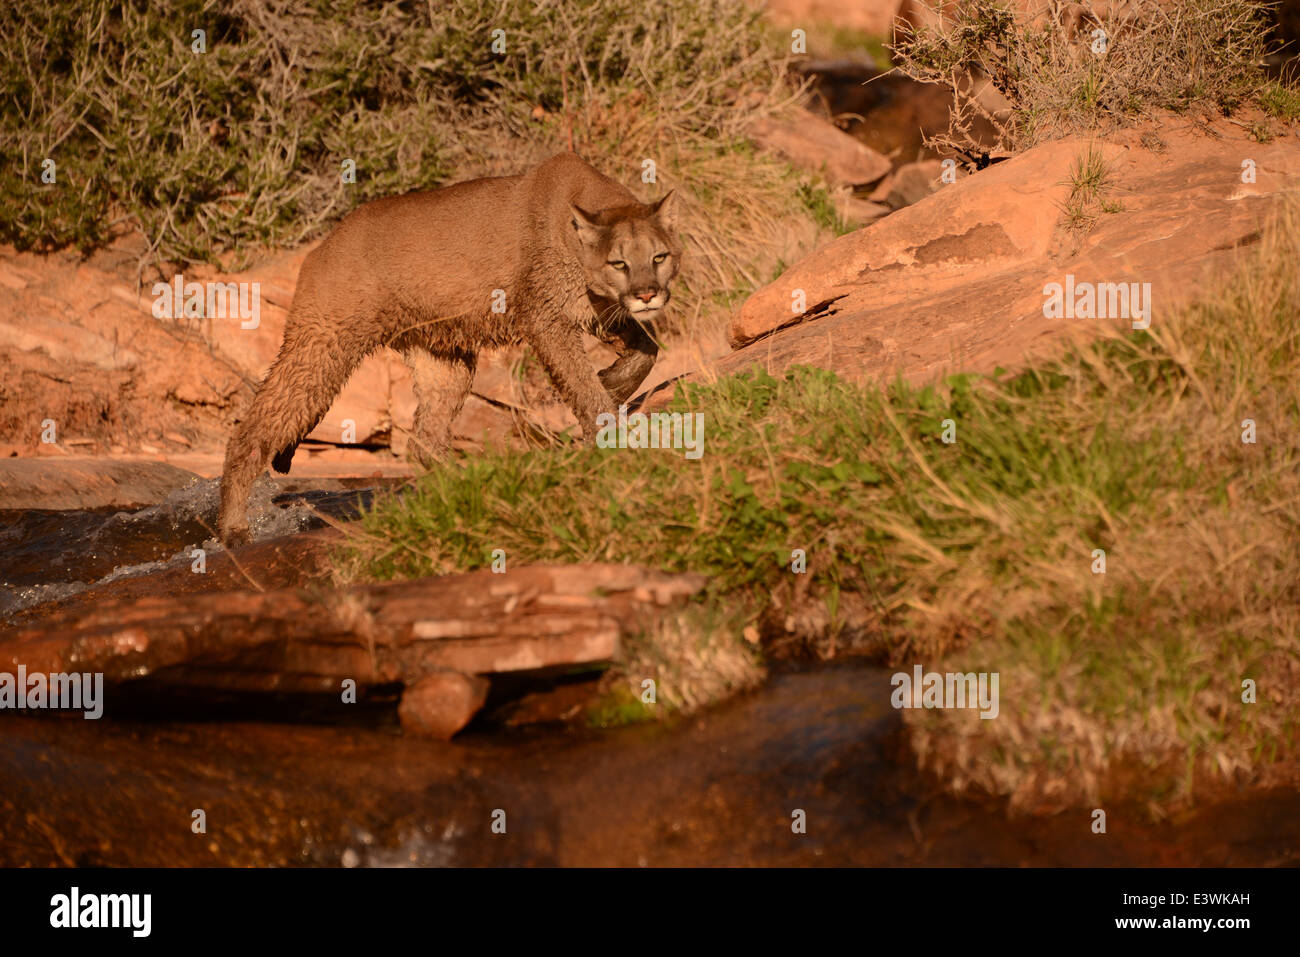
[572, 250]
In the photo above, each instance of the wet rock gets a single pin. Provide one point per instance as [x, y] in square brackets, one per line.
[167, 548]
[441, 704]
[138, 569]
[312, 641]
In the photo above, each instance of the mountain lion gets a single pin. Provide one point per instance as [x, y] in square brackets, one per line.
[536, 258]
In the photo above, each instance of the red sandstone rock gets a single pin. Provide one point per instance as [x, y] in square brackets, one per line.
[957, 280]
[431, 635]
[819, 146]
[442, 703]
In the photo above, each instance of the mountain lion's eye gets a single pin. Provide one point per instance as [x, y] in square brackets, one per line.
[660, 258]
[618, 264]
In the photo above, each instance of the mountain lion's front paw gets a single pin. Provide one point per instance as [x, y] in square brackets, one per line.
[234, 536]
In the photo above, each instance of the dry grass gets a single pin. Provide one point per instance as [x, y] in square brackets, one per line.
[1058, 79]
[1144, 665]
[240, 148]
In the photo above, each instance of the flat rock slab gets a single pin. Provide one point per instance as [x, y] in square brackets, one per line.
[82, 482]
[420, 634]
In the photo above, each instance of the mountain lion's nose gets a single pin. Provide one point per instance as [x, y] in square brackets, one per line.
[647, 295]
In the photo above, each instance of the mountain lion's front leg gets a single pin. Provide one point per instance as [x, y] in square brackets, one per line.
[636, 357]
[559, 347]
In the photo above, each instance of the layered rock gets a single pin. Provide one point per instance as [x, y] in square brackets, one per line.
[957, 281]
[83, 349]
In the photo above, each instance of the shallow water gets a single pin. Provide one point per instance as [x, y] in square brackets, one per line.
[717, 789]
[47, 555]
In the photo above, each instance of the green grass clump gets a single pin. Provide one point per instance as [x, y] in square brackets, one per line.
[980, 553]
[821, 206]
[1281, 101]
[1091, 182]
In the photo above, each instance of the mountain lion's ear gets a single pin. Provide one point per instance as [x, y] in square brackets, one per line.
[666, 210]
[585, 225]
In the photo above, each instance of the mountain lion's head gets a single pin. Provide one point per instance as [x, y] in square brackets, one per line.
[630, 254]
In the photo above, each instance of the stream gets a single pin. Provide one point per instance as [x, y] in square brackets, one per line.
[280, 785]
[720, 788]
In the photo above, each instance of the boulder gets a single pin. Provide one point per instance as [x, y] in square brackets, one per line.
[440, 704]
[909, 184]
[958, 279]
[819, 146]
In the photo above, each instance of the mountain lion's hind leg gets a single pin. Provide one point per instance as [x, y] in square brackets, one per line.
[441, 384]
